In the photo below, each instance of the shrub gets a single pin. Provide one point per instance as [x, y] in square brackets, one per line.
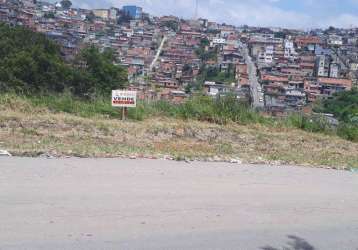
[348, 132]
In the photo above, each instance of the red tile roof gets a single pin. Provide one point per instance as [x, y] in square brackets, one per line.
[334, 81]
[274, 78]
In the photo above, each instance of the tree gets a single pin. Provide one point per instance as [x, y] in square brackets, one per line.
[66, 4]
[90, 17]
[49, 15]
[171, 24]
[105, 75]
[36, 67]
[330, 30]
[343, 105]
[280, 34]
[204, 42]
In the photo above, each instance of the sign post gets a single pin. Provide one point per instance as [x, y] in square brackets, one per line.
[124, 99]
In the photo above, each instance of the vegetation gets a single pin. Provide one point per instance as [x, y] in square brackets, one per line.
[344, 106]
[101, 73]
[216, 75]
[90, 17]
[203, 53]
[173, 25]
[32, 126]
[36, 67]
[36, 82]
[66, 4]
[220, 111]
[212, 73]
[49, 15]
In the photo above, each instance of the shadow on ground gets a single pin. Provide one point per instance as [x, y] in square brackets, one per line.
[295, 243]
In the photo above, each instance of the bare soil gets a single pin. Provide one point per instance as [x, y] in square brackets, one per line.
[40, 132]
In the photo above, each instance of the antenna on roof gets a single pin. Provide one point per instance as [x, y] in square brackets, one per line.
[196, 9]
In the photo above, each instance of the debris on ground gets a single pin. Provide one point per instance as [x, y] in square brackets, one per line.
[354, 170]
[46, 155]
[4, 153]
[235, 161]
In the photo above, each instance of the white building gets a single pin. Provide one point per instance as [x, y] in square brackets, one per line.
[290, 52]
[266, 57]
[335, 40]
[334, 70]
[321, 66]
[113, 12]
[219, 41]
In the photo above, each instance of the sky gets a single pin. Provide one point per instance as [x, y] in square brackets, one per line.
[302, 14]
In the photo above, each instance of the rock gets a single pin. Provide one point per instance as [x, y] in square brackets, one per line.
[217, 159]
[4, 153]
[168, 158]
[354, 170]
[235, 161]
[46, 155]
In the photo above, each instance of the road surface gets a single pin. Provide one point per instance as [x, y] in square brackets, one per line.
[254, 84]
[152, 65]
[152, 204]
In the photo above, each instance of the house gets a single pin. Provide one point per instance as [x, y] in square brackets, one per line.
[309, 42]
[335, 40]
[177, 96]
[214, 89]
[101, 13]
[329, 86]
[324, 87]
[334, 70]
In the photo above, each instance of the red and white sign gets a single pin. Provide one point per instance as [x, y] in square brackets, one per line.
[124, 98]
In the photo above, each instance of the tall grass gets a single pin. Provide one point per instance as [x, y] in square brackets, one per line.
[203, 108]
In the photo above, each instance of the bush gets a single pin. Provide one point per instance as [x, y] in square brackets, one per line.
[203, 108]
[348, 132]
[343, 105]
[316, 123]
[74, 105]
[36, 66]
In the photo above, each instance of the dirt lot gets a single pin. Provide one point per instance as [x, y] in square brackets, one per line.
[42, 132]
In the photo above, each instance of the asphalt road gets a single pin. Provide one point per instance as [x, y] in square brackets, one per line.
[153, 204]
[152, 65]
[254, 84]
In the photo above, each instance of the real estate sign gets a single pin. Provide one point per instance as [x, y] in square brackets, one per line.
[124, 98]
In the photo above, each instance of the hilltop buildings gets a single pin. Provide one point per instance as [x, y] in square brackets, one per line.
[169, 58]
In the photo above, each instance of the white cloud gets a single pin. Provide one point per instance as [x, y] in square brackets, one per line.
[252, 12]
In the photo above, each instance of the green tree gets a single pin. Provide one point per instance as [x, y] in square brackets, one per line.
[66, 4]
[36, 67]
[90, 17]
[105, 75]
[343, 105]
[49, 15]
[171, 24]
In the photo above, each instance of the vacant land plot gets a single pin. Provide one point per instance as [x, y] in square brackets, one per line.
[27, 131]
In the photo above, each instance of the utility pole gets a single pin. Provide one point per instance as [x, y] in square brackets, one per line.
[196, 9]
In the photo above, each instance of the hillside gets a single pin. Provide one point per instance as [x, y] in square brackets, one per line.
[53, 107]
[26, 129]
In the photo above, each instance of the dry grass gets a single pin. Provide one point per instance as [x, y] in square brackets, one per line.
[31, 132]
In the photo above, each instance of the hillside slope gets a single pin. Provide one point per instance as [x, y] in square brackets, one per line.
[32, 131]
